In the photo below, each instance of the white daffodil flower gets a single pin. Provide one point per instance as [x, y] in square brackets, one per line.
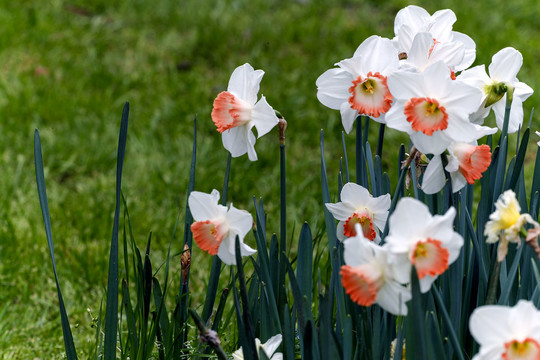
[236, 111]
[506, 333]
[506, 222]
[216, 226]
[466, 164]
[358, 86]
[357, 206]
[412, 20]
[416, 237]
[368, 278]
[502, 78]
[433, 109]
[269, 348]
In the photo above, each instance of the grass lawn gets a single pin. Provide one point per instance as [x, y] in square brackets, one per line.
[67, 67]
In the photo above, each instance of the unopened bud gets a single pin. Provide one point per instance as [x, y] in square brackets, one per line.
[185, 262]
[282, 126]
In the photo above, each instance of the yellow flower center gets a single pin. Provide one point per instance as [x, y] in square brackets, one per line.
[509, 216]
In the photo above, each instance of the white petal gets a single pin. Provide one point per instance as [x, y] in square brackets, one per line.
[396, 119]
[353, 66]
[458, 181]
[426, 282]
[239, 221]
[333, 88]
[441, 227]
[419, 53]
[378, 55]
[406, 218]
[405, 85]
[462, 98]
[434, 178]
[236, 140]
[272, 344]
[264, 117]
[392, 298]
[411, 15]
[204, 206]
[245, 82]
[442, 22]
[226, 251]
[348, 116]
[355, 194]
[358, 250]
[434, 144]
[451, 53]
[505, 65]
[488, 324]
[475, 76]
[252, 155]
[470, 50]
[341, 211]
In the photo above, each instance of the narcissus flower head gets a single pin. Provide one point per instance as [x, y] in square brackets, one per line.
[368, 278]
[359, 86]
[416, 237]
[506, 333]
[357, 206]
[216, 227]
[506, 222]
[236, 111]
[268, 347]
[497, 86]
[433, 109]
[413, 20]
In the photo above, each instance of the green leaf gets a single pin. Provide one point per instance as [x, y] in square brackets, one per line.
[304, 270]
[519, 160]
[111, 312]
[71, 353]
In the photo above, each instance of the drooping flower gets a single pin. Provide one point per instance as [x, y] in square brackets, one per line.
[368, 278]
[433, 109]
[502, 78]
[358, 86]
[216, 226]
[466, 164]
[236, 111]
[416, 237]
[412, 20]
[506, 223]
[269, 348]
[506, 333]
[357, 206]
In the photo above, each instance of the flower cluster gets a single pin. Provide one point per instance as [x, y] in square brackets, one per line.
[410, 84]
[380, 274]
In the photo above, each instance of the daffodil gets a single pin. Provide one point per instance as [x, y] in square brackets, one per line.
[538, 133]
[358, 86]
[412, 20]
[420, 239]
[496, 87]
[369, 279]
[268, 347]
[506, 333]
[433, 109]
[506, 222]
[216, 227]
[236, 111]
[466, 164]
[357, 206]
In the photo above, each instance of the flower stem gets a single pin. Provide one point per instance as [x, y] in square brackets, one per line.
[492, 290]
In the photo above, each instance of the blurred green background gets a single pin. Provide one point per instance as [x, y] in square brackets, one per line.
[67, 67]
